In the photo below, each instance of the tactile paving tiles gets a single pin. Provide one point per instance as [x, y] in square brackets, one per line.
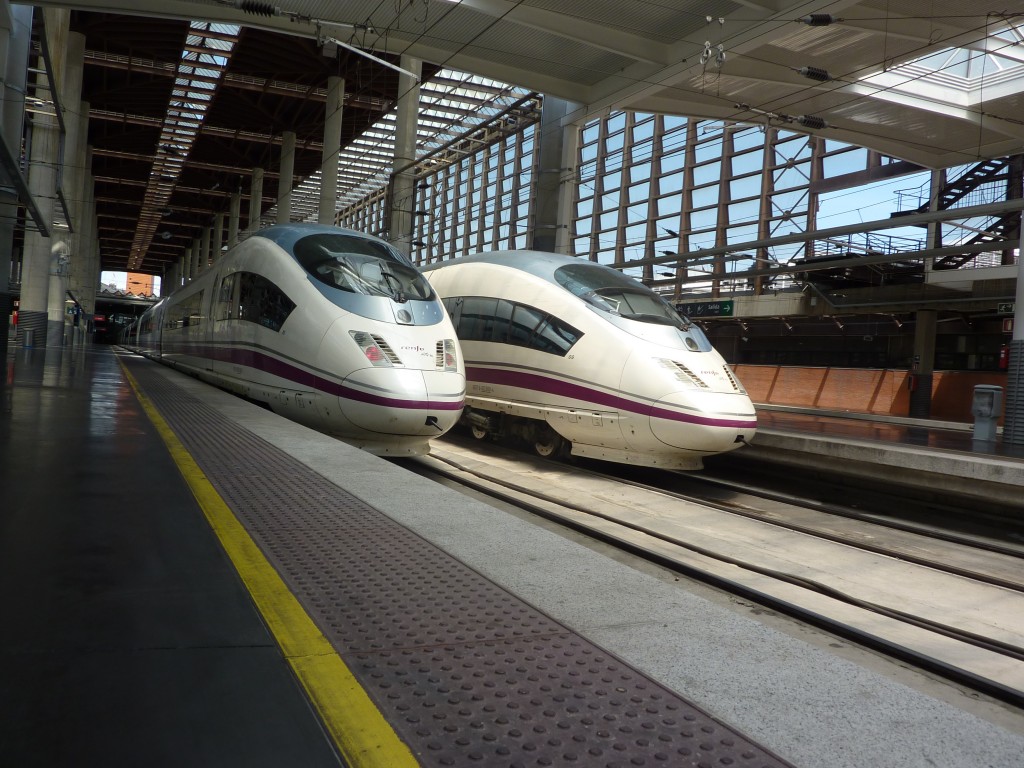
[466, 673]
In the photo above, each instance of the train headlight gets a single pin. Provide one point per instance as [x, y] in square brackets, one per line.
[376, 349]
[683, 373]
[447, 359]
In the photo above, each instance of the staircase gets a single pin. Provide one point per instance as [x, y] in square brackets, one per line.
[985, 172]
[1005, 227]
[956, 190]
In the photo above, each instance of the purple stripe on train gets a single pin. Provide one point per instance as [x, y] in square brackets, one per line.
[581, 393]
[260, 361]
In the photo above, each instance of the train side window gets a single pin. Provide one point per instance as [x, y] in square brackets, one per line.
[187, 314]
[262, 302]
[524, 322]
[477, 318]
[227, 298]
[502, 321]
[555, 336]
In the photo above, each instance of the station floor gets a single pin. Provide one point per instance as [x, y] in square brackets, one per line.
[139, 631]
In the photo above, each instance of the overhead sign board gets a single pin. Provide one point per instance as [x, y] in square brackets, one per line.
[707, 309]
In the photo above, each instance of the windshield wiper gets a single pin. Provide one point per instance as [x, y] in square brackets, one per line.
[395, 285]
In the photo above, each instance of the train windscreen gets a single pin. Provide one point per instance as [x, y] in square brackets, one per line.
[611, 291]
[361, 266]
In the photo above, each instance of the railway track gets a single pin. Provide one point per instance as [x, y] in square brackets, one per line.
[952, 605]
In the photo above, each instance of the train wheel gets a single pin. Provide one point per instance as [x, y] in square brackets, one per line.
[548, 443]
[479, 433]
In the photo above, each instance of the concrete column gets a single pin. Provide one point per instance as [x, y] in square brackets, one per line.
[403, 174]
[217, 238]
[548, 208]
[14, 51]
[922, 367]
[76, 179]
[233, 216]
[255, 201]
[36, 264]
[71, 266]
[332, 148]
[287, 177]
[204, 249]
[167, 279]
[197, 257]
[193, 260]
[88, 245]
[42, 309]
[567, 188]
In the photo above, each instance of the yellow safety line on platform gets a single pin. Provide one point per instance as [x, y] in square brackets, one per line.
[364, 738]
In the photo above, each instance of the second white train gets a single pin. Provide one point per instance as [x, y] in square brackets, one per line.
[570, 354]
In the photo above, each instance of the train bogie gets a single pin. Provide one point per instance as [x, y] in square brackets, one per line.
[558, 347]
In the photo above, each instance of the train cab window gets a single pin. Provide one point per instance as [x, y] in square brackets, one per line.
[611, 291]
[359, 265]
[262, 302]
[608, 290]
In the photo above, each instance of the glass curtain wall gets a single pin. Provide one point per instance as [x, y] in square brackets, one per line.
[477, 202]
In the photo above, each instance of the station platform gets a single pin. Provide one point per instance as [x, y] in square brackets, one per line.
[940, 456]
[190, 579]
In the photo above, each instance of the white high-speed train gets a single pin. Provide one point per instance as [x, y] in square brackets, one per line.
[329, 327]
[565, 352]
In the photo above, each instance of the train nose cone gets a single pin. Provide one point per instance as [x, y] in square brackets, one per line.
[706, 422]
[398, 401]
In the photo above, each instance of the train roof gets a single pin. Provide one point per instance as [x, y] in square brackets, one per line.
[286, 235]
[540, 263]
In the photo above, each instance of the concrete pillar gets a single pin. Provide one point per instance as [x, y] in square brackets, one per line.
[549, 211]
[217, 238]
[567, 188]
[403, 174]
[42, 309]
[922, 367]
[204, 249]
[255, 201]
[86, 241]
[76, 178]
[287, 177]
[186, 265]
[167, 279]
[233, 216]
[332, 149]
[196, 252]
[71, 176]
[14, 51]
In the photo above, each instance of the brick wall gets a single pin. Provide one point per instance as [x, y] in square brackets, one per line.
[863, 390]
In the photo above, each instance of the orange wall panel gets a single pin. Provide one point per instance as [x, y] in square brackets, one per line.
[862, 390]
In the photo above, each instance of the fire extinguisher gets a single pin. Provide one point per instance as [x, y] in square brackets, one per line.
[1004, 357]
[912, 382]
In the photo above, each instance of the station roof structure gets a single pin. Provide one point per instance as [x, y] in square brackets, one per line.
[935, 83]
